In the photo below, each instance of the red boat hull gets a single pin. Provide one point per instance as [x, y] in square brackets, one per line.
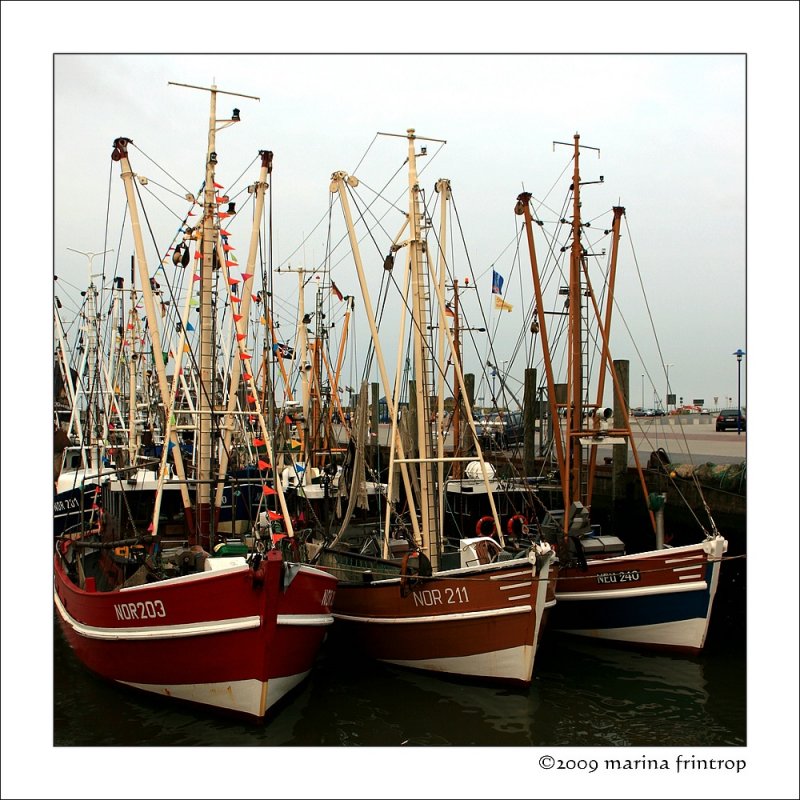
[233, 638]
[482, 622]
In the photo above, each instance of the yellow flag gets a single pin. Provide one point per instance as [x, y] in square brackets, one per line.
[501, 304]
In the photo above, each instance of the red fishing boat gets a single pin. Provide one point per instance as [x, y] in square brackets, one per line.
[223, 624]
[467, 606]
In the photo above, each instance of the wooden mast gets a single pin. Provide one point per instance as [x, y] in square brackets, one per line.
[205, 399]
[575, 381]
[120, 154]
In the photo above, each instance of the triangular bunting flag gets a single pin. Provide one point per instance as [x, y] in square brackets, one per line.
[245, 355]
[218, 186]
[223, 232]
[268, 490]
[246, 276]
[240, 336]
[230, 264]
[251, 399]
[263, 464]
[233, 281]
[258, 442]
[247, 377]
[195, 277]
[235, 299]
[227, 247]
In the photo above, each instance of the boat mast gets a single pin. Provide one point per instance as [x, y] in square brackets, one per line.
[205, 400]
[575, 382]
[422, 360]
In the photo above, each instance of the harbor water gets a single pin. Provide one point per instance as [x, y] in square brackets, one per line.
[583, 695]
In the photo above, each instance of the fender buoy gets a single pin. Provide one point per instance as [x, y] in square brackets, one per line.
[485, 527]
[516, 529]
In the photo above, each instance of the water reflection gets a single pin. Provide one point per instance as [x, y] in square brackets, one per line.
[583, 695]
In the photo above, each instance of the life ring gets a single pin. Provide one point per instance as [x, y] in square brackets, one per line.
[516, 531]
[407, 573]
[485, 526]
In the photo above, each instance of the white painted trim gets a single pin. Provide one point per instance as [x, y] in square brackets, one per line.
[623, 594]
[305, 619]
[501, 612]
[157, 632]
[515, 586]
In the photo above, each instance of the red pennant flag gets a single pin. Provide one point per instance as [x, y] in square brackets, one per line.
[268, 490]
[251, 399]
[228, 247]
[245, 355]
[235, 299]
[251, 418]
[237, 317]
[288, 420]
[240, 336]
[233, 281]
[97, 490]
[198, 254]
[190, 214]
[195, 277]
[336, 291]
[246, 276]
[231, 264]
[263, 464]
[256, 298]
[130, 326]
[247, 377]
[218, 186]
[258, 442]
[223, 214]
[223, 232]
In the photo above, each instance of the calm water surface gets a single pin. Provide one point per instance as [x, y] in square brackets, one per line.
[584, 695]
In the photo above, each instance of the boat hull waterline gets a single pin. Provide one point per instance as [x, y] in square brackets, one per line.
[476, 622]
[233, 637]
[661, 599]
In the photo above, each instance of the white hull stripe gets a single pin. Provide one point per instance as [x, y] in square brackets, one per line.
[621, 594]
[515, 663]
[305, 619]
[160, 631]
[698, 557]
[250, 696]
[683, 633]
[515, 586]
[436, 618]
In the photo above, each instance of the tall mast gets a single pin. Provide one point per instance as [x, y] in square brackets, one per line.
[422, 361]
[576, 334]
[205, 400]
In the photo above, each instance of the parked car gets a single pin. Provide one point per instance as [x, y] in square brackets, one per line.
[729, 419]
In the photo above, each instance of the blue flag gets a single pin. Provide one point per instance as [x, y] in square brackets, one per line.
[497, 283]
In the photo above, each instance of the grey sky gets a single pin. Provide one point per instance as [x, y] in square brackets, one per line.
[671, 130]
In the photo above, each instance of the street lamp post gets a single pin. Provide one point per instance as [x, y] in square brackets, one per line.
[739, 353]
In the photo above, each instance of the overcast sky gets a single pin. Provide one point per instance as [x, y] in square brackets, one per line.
[670, 130]
[705, 164]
